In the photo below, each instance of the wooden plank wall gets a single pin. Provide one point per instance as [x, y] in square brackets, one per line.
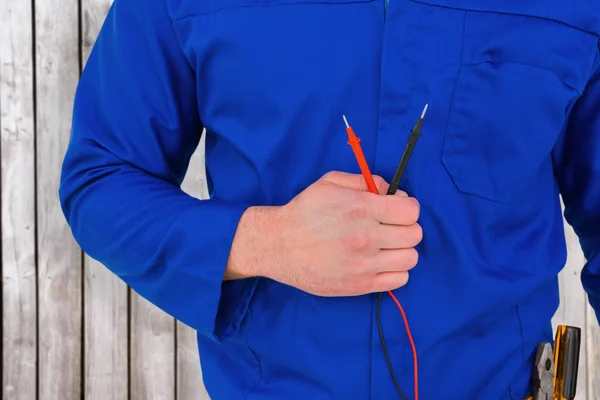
[70, 329]
[106, 362]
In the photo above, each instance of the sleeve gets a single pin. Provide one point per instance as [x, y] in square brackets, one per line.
[135, 128]
[577, 168]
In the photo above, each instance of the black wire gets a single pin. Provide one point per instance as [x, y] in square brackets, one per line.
[412, 141]
[387, 356]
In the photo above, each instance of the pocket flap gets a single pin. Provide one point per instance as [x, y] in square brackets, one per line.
[580, 14]
[502, 127]
[187, 8]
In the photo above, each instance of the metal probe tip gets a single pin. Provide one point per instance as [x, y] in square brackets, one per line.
[424, 111]
[346, 121]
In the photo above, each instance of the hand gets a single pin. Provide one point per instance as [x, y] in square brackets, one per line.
[333, 239]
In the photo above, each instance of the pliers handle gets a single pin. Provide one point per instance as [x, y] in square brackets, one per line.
[555, 373]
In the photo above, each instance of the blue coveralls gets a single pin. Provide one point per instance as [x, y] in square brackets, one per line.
[513, 89]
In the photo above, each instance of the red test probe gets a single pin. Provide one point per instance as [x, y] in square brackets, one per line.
[354, 142]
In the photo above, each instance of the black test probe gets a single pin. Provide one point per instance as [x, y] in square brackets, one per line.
[412, 141]
[415, 133]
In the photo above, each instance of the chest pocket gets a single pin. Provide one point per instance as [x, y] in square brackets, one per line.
[520, 72]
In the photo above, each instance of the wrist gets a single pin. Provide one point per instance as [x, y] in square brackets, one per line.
[254, 243]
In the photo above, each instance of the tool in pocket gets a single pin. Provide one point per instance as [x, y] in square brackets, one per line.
[555, 373]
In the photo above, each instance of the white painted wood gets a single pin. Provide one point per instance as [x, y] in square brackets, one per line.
[189, 375]
[152, 352]
[106, 334]
[59, 258]
[106, 375]
[572, 310]
[18, 206]
[93, 13]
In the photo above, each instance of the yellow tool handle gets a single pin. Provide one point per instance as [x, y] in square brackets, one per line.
[566, 362]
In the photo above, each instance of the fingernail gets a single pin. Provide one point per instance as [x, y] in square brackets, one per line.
[401, 193]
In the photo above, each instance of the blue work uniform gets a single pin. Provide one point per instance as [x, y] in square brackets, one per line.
[513, 89]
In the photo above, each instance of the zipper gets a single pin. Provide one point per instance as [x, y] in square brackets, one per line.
[385, 7]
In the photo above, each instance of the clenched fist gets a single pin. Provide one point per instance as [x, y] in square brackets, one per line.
[333, 239]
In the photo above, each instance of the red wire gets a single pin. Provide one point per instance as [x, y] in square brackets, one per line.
[354, 142]
[412, 344]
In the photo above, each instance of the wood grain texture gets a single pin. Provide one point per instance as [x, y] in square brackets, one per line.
[93, 14]
[59, 258]
[189, 374]
[572, 309]
[152, 352]
[105, 339]
[19, 308]
[106, 372]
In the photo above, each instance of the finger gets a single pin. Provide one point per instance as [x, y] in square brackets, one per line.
[354, 181]
[389, 281]
[394, 210]
[382, 187]
[399, 260]
[398, 236]
[350, 181]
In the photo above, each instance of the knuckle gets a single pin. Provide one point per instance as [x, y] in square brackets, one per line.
[359, 242]
[332, 176]
[400, 280]
[416, 208]
[403, 279]
[411, 258]
[417, 234]
[329, 175]
[379, 181]
[411, 209]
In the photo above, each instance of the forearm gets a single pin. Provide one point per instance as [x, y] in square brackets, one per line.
[135, 126]
[255, 243]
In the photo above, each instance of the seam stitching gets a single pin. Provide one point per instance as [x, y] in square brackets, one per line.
[516, 14]
[285, 3]
[259, 367]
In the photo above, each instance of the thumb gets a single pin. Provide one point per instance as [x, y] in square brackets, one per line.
[354, 181]
[383, 186]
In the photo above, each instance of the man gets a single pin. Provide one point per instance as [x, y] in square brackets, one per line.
[280, 270]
